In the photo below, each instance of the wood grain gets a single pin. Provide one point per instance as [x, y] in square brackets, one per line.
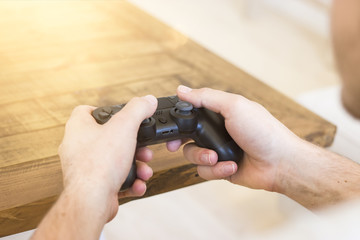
[56, 55]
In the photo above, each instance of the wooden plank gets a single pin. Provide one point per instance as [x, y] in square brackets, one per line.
[54, 110]
[29, 181]
[24, 218]
[41, 178]
[24, 150]
[82, 76]
[210, 71]
[30, 146]
[27, 216]
[102, 53]
[301, 121]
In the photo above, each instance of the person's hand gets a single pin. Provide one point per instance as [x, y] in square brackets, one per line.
[96, 159]
[265, 141]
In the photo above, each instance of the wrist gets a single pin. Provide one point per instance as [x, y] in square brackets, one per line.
[79, 213]
[315, 177]
[94, 198]
[298, 169]
[286, 163]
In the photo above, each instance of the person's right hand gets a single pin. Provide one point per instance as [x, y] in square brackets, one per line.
[267, 143]
[274, 159]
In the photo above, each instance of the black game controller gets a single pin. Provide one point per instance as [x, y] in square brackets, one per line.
[175, 119]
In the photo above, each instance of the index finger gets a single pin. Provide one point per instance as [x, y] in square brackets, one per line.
[200, 156]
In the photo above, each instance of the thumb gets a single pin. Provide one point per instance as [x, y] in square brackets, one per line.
[214, 100]
[134, 112]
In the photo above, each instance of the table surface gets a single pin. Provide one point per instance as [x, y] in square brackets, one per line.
[57, 55]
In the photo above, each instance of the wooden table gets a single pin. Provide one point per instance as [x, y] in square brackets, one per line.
[56, 55]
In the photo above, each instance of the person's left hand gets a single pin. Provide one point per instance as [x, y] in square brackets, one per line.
[96, 159]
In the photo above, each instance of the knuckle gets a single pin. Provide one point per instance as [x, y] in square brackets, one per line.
[238, 101]
[203, 95]
[81, 109]
[216, 171]
[204, 91]
[136, 99]
[78, 109]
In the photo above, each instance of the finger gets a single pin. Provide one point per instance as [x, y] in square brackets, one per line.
[138, 189]
[81, 115]
[82, 110]
[215, 100]
[144, 154]
[200, 156]
[143, 171]
[134, 112]
[174, 145]
[219, 171]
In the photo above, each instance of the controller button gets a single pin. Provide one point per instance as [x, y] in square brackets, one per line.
[107, 110]
[147, 120]
[162, 120]
[104, 115]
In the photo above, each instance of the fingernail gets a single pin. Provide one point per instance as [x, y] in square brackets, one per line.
[229, 169]
[205, 158]
[151, 99]
[184, 89]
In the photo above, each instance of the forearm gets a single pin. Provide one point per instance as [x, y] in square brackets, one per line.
[315, 177]
[74, 216]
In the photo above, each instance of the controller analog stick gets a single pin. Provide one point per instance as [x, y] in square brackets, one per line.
[183, 108]
[147, 120]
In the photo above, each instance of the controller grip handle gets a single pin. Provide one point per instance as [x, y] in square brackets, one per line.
[212, 134]
[130, 178]
[229, 151]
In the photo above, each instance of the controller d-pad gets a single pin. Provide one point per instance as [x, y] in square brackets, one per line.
[105, 113]
[107, 110]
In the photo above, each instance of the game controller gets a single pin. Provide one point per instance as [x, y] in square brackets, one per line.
[176, 119]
